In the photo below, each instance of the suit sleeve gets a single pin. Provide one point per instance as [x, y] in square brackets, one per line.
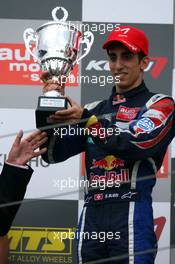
[151, 130]
[13, 183]
[64, 143]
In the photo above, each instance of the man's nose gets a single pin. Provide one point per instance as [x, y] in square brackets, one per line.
[118, 64]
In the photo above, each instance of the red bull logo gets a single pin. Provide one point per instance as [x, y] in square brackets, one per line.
[112, 176]
[108, 163]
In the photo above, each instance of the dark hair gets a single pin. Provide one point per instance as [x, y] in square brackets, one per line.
[141, 55]
[113, 44]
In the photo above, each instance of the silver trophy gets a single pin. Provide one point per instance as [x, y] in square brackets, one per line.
[56, 47]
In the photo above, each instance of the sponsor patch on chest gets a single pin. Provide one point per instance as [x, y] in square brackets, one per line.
[118, 99]
[127, 113]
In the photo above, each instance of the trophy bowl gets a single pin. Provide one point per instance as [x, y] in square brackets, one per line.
[57, 47]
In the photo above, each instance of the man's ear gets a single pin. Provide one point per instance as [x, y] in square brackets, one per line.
[144, 63]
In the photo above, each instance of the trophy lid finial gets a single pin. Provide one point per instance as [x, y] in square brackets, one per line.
[54, 13]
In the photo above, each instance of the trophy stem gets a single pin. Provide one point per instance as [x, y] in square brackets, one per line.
[55, 78]
[53, 93]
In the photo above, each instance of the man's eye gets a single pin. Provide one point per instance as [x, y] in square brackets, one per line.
[128, 56]
[112, 58]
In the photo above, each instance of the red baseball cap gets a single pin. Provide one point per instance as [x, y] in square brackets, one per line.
[133, 38]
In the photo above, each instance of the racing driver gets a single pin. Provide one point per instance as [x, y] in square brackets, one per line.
[125, 142]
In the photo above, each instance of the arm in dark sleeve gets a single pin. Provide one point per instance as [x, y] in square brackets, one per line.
[140, 138]
[13, 183]
[60, 148]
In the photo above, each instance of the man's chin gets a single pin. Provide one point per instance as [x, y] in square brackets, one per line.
[122, 85]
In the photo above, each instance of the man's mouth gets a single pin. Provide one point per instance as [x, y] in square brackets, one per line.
[121, 74]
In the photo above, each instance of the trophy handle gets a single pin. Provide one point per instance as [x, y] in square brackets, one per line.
[29, 39]
[88, 39]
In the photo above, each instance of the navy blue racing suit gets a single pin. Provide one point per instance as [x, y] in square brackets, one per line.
[126, 140]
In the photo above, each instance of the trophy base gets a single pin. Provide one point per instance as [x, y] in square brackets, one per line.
[46, 107]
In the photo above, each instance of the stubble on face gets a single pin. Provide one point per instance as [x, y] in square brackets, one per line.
[125, 67]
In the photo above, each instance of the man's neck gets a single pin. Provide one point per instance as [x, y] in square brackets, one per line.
[121, 90]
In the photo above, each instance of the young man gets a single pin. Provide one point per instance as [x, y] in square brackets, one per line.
[127, 137]
[13, 182]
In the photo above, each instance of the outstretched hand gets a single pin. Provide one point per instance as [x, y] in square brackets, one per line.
[23, 150]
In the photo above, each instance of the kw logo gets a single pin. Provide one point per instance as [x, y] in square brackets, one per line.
[39, 240]
[155, 67]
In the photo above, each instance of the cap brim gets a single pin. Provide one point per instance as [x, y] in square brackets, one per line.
[130, 46]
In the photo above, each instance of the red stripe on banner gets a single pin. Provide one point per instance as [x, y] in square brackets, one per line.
[18, 67]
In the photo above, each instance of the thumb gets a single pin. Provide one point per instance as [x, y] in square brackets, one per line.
[71, 102]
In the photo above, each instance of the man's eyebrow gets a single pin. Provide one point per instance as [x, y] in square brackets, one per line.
[123, 53]
[126, 52]
[111, 53]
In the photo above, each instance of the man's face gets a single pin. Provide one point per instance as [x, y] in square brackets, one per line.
[126, 67]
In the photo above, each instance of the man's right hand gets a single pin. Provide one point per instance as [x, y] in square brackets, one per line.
[53, 85]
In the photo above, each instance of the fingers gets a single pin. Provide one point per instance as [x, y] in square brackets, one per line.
[72, 102]
[18, 138]
[32, 135]
[51, 84]
[62, 115]
[40, 152]
[39, 143]
[66, 112]
[74, 107]
[73, 113]
[46, 77]
[35, 136]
